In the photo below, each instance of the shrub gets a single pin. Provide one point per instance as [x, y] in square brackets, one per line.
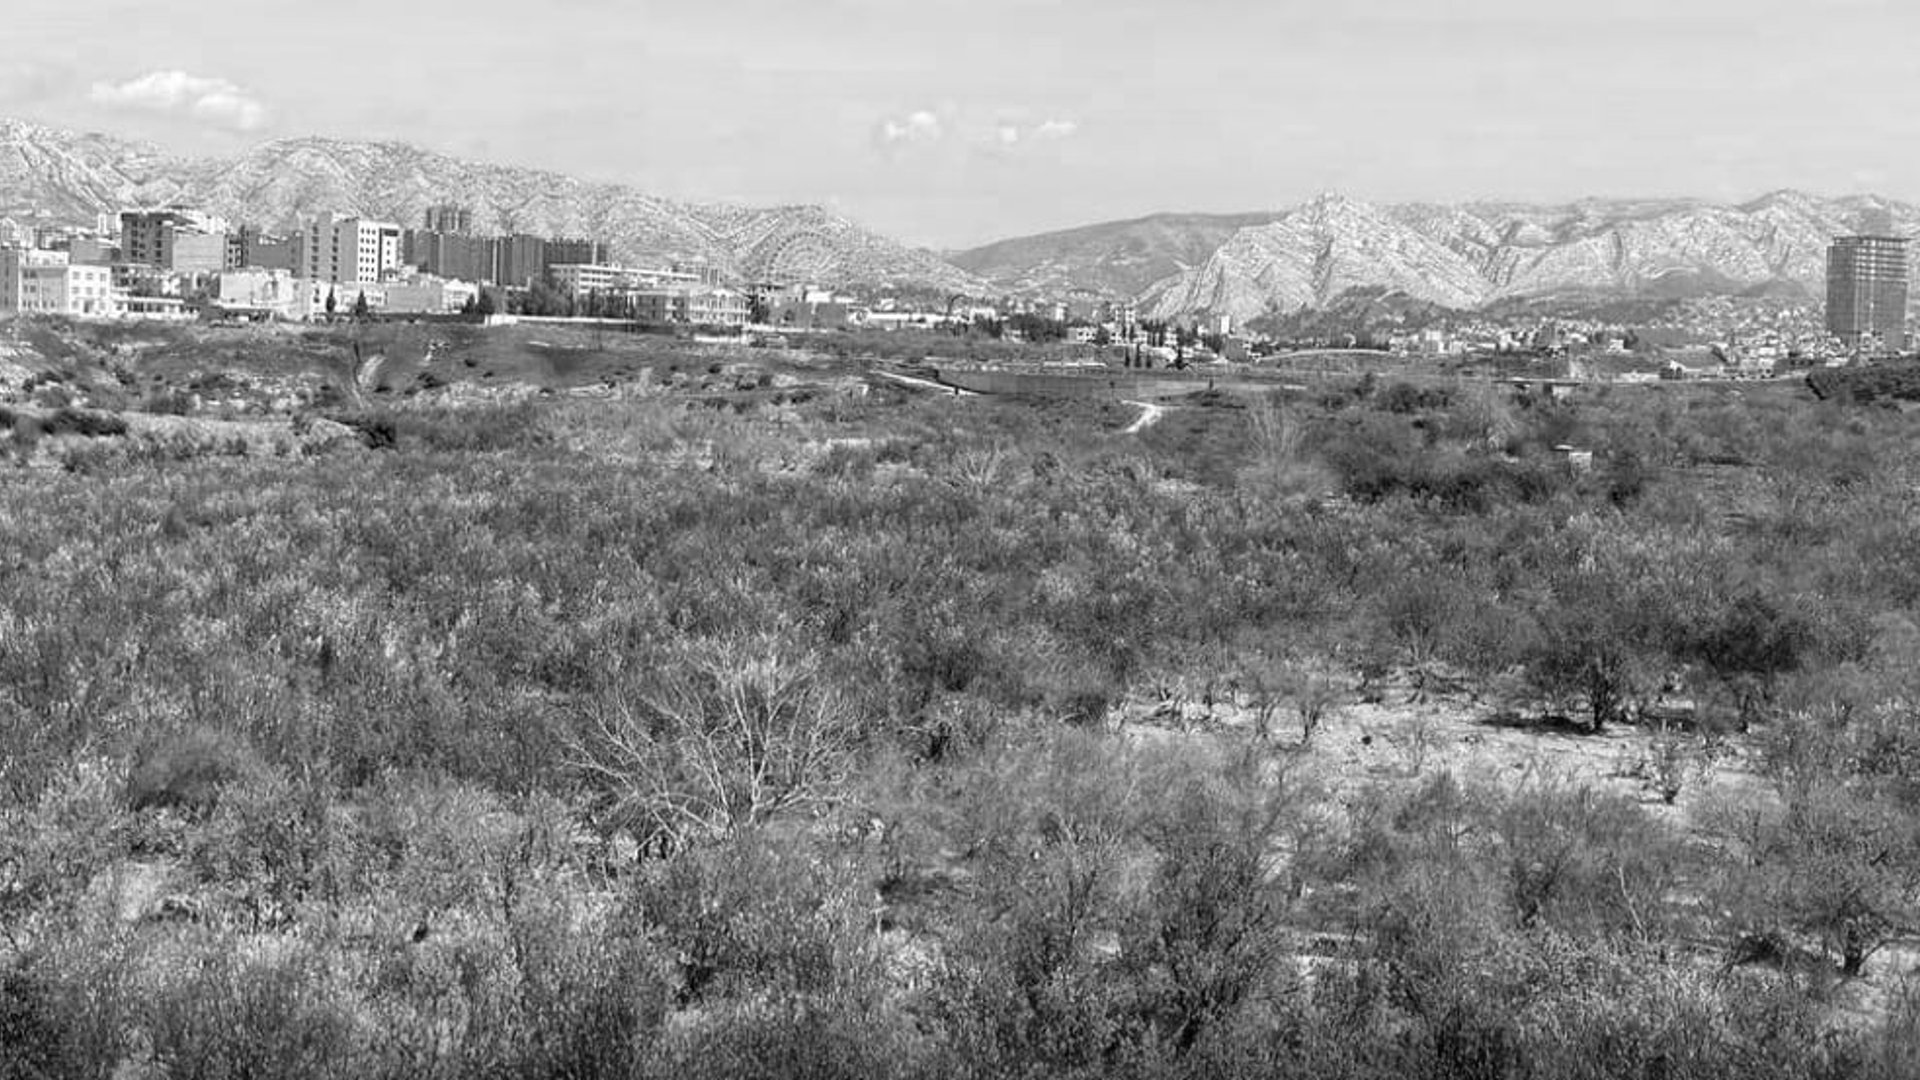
[168, 402]
[227, 1016]
[93, 425]
[377, 431]
[187, 769]
[720, 736]
[1405, 398]
[756, 914]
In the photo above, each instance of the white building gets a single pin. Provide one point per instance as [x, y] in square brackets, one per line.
[710, 306]
[347, 250]
[268, 293]
[44, 283]
[428, 296]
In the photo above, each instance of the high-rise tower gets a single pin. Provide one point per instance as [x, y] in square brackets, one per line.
[1867, 291]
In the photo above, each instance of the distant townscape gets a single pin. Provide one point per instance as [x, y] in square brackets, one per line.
[313, 229]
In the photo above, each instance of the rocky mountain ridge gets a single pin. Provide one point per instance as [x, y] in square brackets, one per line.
[50, 174]
[1462, 256]
[1124, 258]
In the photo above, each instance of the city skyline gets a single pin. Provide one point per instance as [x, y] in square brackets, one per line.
[955, 125]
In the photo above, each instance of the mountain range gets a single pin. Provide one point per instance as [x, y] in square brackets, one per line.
[50, 174]
[1461, 256]
[1240, 265]
[1466, 256]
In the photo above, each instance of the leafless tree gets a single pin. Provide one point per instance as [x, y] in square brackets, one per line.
[725, 737]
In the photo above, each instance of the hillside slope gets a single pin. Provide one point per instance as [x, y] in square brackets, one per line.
[1122, 258]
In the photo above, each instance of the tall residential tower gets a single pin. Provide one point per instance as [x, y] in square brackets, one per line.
[1867, 283]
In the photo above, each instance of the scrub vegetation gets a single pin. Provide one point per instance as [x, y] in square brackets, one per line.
[877, 735]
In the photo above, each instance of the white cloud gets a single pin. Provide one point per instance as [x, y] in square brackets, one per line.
[918, 127]
[214, 101]
[1008, 134]
[1056, 129]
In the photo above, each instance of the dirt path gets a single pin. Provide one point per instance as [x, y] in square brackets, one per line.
[924, 384]
[1150, 415]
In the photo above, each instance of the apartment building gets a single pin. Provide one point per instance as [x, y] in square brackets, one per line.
[707, 306]
[249, 248]
[580, 279]
[347, 250]
[34, 284]
[451, 255]
[561, 250]
[178, 239]
[449, 218]
[1867, 287]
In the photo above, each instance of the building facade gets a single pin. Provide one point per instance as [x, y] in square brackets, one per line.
[69, 290]
[268, 293]
[347, 251]
[451, 255]
[188, 252]
[1867, 286]
[94, 251]
[561, 250]
[249, 248]
[32, 280]
[177, 239]
[707, 306]
[429, 296]
[579, 279]
[448, 218]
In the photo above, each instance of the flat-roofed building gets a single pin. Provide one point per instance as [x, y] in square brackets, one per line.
[449, 218]
[15, 262]
[1867, 286]
[187, 252]
[521, 260]
[429, 296]
[710, 306]
[652, 307]
[580, 279]
[452, 255]
[560, 250]
[268, 293]
[65, 289]
[176, 238]
[248, 247]
[347, 250]
[93, 251]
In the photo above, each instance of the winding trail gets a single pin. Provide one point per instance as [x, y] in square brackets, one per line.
[1150, 415]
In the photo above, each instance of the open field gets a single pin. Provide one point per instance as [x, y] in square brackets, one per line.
[415, 701]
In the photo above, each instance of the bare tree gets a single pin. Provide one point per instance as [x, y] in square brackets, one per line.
[725, 737]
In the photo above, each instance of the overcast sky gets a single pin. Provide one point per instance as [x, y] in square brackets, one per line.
[954, 122]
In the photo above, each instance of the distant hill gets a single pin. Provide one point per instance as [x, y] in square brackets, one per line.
[49, 174]
[1121, 258]
[1458, 256]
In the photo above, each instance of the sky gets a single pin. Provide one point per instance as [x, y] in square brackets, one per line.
[950, 123]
